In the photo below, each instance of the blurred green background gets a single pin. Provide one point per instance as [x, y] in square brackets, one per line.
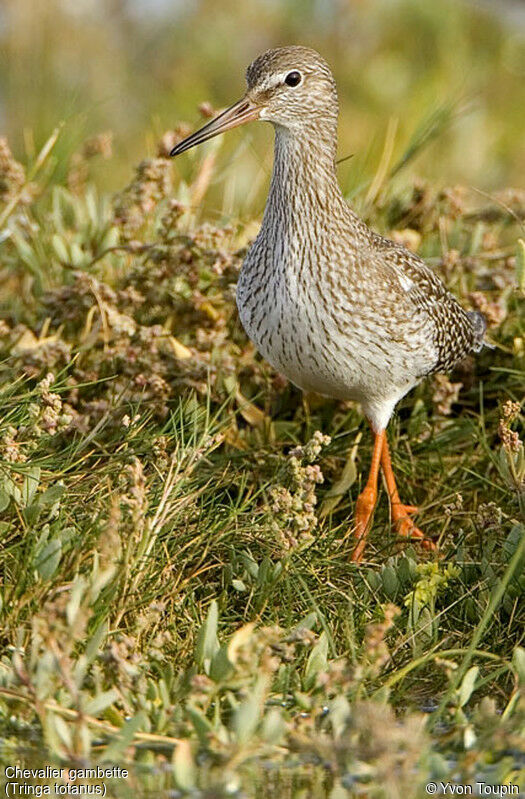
[413, 68]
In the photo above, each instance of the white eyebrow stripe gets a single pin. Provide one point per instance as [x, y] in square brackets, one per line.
[277, 79]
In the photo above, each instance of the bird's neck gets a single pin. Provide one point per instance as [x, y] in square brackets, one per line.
[304, 181]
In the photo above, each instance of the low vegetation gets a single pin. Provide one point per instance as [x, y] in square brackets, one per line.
[176, 518]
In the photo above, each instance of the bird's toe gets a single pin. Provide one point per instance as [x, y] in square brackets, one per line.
[406, 528]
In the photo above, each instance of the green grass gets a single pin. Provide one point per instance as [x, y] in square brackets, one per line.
[176, 534]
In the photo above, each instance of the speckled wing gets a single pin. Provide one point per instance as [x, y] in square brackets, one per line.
[453, 331]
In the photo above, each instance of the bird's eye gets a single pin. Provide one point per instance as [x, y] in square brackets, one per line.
[293, 78]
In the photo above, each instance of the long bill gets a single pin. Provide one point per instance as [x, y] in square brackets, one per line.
[239, 113]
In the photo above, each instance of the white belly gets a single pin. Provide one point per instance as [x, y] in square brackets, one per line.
[302, 340]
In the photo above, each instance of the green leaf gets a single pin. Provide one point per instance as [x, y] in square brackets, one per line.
[250, 565]
[99, 577]
[477, 238]
[91, 207]
[373, 579]
[4, 500]
[339, 714]
[51, 495]
[64, 732]
[513, 540]
[95, 641]
[78, 256]
[184, 766]
[78, 590]
[230, 384]
[467, 686]
[200, 723]
[60, 247]
[265, 571]
[390, 581]
[348, 477]
[303, 701]
[424, 627]
[30, 485]
[110, 239]
[221, 666]
[53, 737]
[273, 726]
[44, 680]
[207, 641]
[248, 714]
[308, 623]
[518, 661]
[100, 702]
[317, 661]
[403, 572]
[47, 560]
[26, 253]
[115, 751]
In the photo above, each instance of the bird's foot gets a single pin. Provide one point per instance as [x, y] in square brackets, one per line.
[405, 526]
[364, 509]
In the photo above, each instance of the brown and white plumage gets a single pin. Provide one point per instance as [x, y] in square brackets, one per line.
[337, 308]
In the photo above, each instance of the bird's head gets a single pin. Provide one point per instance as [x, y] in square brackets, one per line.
[292, 87]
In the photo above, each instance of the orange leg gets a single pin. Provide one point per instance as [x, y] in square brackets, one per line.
[400, 512]
[367, 498]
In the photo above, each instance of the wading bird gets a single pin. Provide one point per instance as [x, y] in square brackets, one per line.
[337, 308]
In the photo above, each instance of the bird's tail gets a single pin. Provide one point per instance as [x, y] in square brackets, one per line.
[479, 327]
